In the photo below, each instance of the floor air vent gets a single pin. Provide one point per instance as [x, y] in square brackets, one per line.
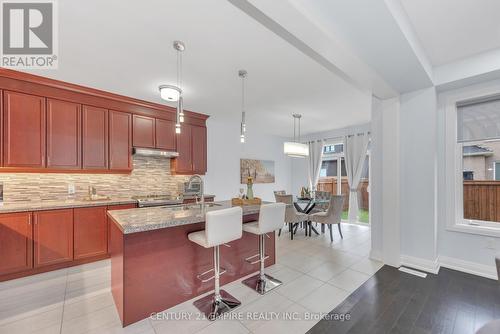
[413, 272]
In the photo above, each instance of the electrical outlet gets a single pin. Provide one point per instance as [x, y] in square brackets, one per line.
[71, 189]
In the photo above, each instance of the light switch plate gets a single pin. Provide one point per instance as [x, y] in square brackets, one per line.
[71, 189]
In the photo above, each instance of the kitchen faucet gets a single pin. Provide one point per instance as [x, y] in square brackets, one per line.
[202, 196]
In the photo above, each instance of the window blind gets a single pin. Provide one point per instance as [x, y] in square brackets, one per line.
[478, 120]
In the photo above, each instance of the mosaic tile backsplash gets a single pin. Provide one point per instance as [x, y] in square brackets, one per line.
[151, 175]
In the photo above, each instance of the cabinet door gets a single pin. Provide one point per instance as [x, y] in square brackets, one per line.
[120, 140]
[24, 130]
[183, 163]
[16, 242]
[53, 236]
[165, 134]
[95, 138]
[91, 232]
[199, 143]
[144, 131]
[64, 140]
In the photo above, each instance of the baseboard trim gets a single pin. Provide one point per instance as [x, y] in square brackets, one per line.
[420, 264]
[469, 267]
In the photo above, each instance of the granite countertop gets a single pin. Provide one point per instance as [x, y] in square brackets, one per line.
[60, 204]
[154, 218]
[193, 196]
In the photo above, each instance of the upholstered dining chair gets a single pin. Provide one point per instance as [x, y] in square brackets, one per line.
[322, 201]
[292, 216]
[332, 215]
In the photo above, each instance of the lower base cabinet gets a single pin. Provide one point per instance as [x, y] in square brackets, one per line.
[91, 232]
[53, 237]
[35, 242]
[16, 242]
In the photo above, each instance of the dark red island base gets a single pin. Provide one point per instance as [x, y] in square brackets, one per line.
[155, 270]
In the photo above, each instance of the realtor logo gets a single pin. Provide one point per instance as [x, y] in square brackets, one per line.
[29, 34]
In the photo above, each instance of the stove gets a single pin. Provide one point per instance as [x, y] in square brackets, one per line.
[156, 200]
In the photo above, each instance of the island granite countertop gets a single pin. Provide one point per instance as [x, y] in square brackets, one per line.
[154, 218]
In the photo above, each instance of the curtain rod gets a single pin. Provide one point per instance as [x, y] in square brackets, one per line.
[341, 137]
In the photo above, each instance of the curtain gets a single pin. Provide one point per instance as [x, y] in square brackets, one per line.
[355, 148]
[315, 159]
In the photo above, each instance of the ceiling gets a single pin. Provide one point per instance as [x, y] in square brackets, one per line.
[450, 30]
[128, 50]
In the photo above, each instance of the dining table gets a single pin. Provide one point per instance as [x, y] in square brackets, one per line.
[306, 205]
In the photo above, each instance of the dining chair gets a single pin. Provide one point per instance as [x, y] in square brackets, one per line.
[333, 215]
[292, 216]
[322, 199]
[279, 192]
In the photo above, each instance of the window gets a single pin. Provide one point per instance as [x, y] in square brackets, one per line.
[478, 140]
[334, 164]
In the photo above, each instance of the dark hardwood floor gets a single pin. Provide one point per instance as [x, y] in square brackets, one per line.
[395, 302]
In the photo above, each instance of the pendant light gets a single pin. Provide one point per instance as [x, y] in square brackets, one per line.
[173, 93]
[242, 74]
[296, 149]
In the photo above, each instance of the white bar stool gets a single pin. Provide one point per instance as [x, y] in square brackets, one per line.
[271, 217]
[221, 226]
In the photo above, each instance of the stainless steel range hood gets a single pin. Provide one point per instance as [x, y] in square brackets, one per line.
[151, 152]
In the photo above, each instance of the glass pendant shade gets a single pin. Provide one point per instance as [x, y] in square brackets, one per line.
[170, 93]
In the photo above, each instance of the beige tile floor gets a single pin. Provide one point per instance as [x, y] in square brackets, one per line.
[317, 275]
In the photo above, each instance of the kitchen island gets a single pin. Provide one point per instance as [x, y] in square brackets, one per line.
[154, 265]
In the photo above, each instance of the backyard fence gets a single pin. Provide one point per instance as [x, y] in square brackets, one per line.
[482, 200]
[329, 184]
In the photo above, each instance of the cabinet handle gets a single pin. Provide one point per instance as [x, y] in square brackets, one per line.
[29, 219]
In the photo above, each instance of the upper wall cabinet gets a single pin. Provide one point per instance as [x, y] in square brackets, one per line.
[165, 135]
[53, 126]
[95, 137]
[153, 132]
[64, 141]
[23, 130]
[199, 143]
[192, 148]
[120, 140]
[144, 131]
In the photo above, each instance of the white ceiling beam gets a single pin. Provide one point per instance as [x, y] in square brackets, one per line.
[468, 71]
[283, 19]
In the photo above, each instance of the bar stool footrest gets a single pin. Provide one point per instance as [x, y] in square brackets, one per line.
[249, 259]
[201, 278]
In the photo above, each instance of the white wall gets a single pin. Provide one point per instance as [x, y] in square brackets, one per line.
[225, 150]
[418, 175]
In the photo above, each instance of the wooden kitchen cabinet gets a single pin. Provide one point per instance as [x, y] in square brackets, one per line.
[64, 140]
[95, 137]
[120, 140]
[24, 123]
[144, 129]
[165, 135]
[90, 232]
[53, 237]
[199, 150]
[183, 164]
[16, 242]
[192, 149]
